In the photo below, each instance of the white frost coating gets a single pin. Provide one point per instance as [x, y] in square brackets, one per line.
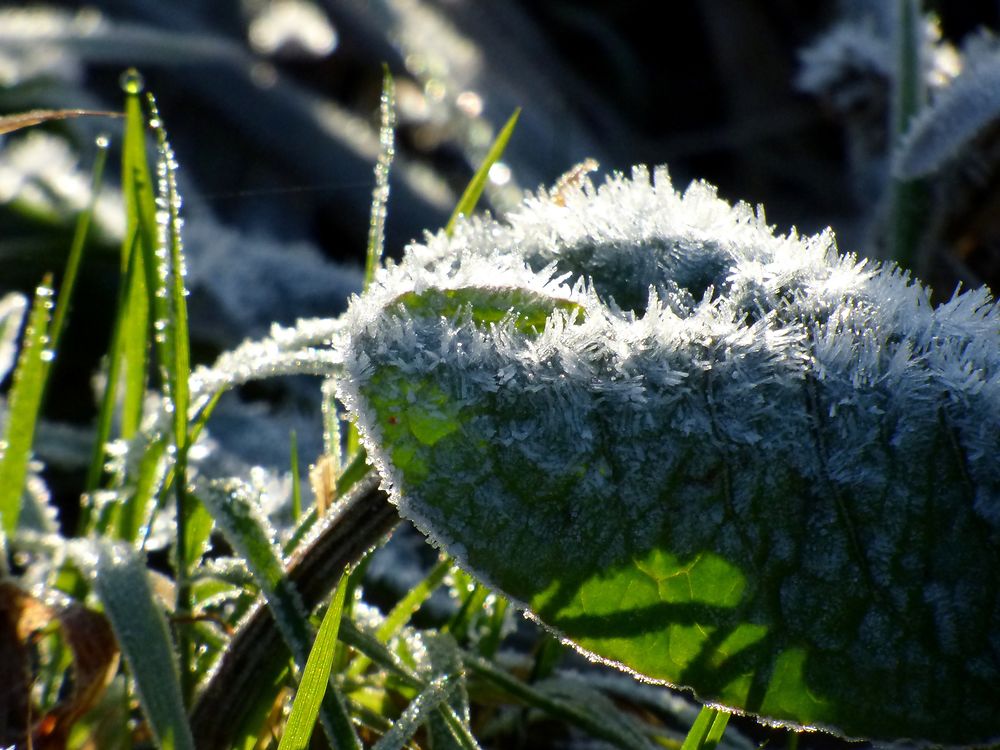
[307, 348]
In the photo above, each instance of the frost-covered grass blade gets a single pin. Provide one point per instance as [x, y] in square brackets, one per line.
[121, 582]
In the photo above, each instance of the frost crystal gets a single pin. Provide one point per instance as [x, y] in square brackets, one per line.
[719, 457]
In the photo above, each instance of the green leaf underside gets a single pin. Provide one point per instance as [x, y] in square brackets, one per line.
[818, 603]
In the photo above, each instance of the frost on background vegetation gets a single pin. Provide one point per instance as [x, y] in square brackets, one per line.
[39, 173]
[960, 112]
[634, 385]
[851, 69]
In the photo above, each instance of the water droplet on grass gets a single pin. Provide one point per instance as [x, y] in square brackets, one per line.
[132, 81]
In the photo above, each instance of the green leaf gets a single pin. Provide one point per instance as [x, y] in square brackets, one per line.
[121, 582]
[467, 203]
[25, 402]
[762, 479]
[315, 677]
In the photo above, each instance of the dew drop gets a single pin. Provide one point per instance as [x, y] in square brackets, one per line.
[102, 141]
[132, 81]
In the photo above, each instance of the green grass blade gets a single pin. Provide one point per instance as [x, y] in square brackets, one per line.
[489, 643]
[200, 525]
[714, 736]
[178, 346]
[333, 447]
[354, 472]
[115, 362]
[121, 582]
[467, 203]
[25, 401]
[139, 244]
[707, 729]
[78, 244]
[232, 505]
[908, 199]
[293, 450]
[409, 604]
[369, 646]
[137, 511]
[699, 729]
[473, 602]
[164, 266]
[315, 677]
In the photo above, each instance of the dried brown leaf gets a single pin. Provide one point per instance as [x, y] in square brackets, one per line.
[10, 123]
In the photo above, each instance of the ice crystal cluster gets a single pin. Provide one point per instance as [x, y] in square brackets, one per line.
[718, 457]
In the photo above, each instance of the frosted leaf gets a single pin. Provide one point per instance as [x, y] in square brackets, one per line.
[712, 455]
